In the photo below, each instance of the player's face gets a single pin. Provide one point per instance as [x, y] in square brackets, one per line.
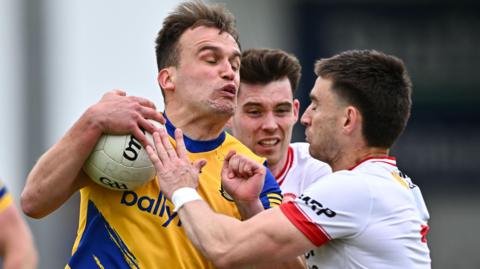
[264, 119]
[322, 120]
[207, 76]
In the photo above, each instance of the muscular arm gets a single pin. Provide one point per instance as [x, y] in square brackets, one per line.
[58, 173]
[16, 244]
[229, 243]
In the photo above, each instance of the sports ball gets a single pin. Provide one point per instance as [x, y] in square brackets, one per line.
[120, 162]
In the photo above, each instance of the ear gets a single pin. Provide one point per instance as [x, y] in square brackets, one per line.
[296, 109]
[352, 120]
[166, 79]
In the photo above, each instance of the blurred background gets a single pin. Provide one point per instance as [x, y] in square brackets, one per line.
[59, 57]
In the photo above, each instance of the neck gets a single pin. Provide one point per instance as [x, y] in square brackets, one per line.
[197, 125]
[350, 158]
[277, 168]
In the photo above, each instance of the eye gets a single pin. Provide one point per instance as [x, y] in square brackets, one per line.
[282, 112]
[312, 106]
[211, 60]
[253, 113]
[235, 66]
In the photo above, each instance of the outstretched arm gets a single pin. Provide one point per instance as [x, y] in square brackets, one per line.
[227, 242]
[16, 243]
[58, 173]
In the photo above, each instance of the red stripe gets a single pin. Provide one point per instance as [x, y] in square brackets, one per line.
[311, 230]
[386, 163]
[374, 157]
[288, 164]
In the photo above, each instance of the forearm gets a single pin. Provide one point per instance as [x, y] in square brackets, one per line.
[296, 263]
[210, 232]
[249, 209]
[57, 174]
[16, 242]
[20, 256]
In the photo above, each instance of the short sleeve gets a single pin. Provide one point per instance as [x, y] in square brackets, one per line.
[271, 194]
[333, 208]
[5, 197]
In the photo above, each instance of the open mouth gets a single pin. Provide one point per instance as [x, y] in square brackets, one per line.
[230, 89]
[269, 142]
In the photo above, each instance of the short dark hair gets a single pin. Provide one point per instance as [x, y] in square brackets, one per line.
[189, 15]
[262, 66]
[378, 85]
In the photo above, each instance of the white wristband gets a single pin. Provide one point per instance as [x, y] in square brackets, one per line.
[184, 195]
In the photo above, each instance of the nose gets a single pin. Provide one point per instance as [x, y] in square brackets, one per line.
[228, 71]
[306, 119]
[269, 123]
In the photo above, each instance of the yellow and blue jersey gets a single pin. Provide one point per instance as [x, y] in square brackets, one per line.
[5, 197]
[138, 228]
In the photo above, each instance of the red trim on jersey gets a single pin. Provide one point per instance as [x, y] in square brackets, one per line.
[311, 230]
[424, 231]
[288, 197]
[380, 159]
[288, 164]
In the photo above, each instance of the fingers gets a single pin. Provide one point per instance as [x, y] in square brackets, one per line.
[226, 171]
[152, 154]
[229, 155]
[161, 152]
[241, 166]
[117, 92]
[181, 148]
[167, 145]
[140, 136]
[143, 101]
[238, 165]
[198, 165]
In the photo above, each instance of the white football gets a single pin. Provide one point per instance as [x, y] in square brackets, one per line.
[120, 162]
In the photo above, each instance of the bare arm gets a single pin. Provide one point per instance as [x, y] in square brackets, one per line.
[265, 238]
[229, 243]
[58, 173]
[16, 244]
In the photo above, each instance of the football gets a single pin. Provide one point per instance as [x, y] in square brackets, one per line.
[120, 162]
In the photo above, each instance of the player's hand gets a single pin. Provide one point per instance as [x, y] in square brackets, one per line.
[117, 113]
[242, 178]
[174, 168]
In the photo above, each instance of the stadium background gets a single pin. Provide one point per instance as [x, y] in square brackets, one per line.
[58, 57]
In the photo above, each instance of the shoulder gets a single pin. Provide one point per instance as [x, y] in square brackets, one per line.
[232, 143]
[341, 184]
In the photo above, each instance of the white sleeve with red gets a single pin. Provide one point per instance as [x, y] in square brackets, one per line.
[336, 207]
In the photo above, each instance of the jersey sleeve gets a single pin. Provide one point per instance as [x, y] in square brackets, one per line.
[271, 194]
[333, 208]
[5, 197]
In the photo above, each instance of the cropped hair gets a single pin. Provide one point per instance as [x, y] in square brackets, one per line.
[378, 85]
[189, 15]
[262, 66]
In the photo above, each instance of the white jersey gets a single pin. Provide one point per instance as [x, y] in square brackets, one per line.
[300, 170]
[371, 216]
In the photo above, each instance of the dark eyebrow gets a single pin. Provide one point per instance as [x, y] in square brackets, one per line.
[252, 104]
[215, 49]
[312, 97]
[284, 104]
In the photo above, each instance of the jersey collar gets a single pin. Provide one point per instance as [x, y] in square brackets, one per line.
[382, 159]
[195, 146]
